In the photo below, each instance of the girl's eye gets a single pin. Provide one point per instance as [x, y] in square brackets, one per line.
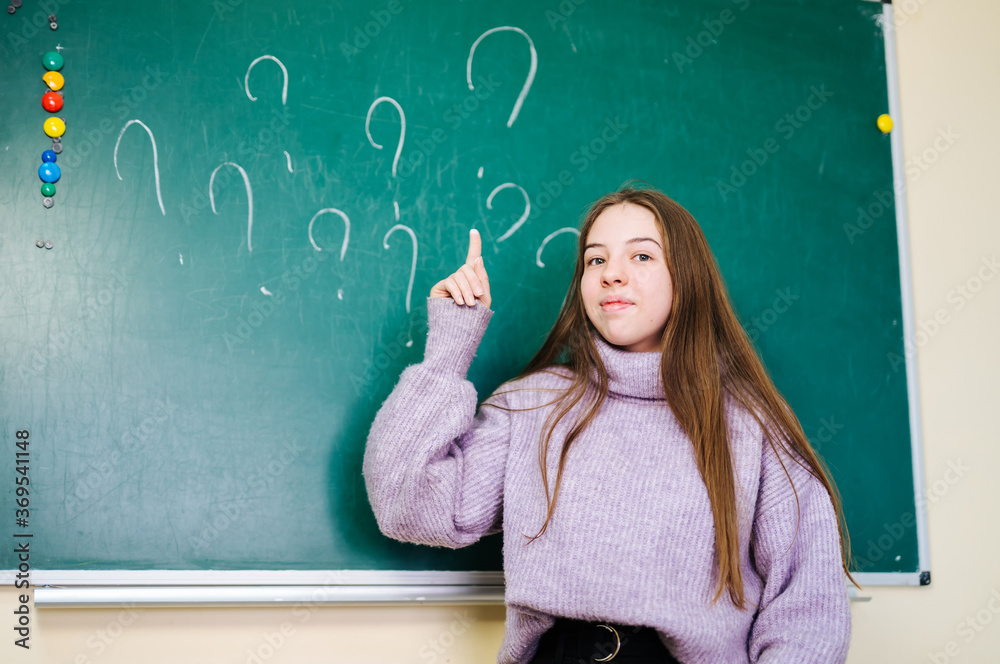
[590, 261]
[645, 257]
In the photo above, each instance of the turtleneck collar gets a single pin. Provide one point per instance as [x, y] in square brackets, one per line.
[629, 374]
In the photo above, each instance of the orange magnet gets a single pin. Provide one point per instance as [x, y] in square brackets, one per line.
[54, 80]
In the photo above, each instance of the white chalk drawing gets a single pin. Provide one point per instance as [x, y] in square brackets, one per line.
[531, 72]
[541, 247]
[347, 229]
[413, 264]
[524, 215]
[288, 158]
[156, 159]
[246, 181]
[402, 128]
[395, 206]
[284, 86]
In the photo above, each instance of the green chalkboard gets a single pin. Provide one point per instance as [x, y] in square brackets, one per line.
[198, 389]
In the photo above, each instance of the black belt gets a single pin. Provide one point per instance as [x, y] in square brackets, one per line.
[571, 640]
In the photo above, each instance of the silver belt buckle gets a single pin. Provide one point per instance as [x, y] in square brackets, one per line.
[618, 645]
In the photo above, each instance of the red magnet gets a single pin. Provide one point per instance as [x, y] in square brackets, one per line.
[52, 101]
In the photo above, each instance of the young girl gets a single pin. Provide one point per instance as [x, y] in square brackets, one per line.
[694, 523]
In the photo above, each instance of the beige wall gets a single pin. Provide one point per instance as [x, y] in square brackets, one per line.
[949, 69]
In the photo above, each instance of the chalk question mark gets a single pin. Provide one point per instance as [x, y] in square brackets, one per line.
[343, 245]
[541, 247]
[402, 129]
[156, 163]
[524, 215]
[246, 182]
[284, 71]
[531, 72]
[284, 90]
[413, 264]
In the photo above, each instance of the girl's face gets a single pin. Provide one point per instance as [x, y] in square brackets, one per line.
[626, 287]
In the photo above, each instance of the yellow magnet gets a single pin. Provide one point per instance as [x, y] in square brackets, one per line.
[54, 127]
[884, 123]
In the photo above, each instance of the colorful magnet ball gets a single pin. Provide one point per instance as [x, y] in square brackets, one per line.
[49, 172]
[48, 189]
[49, 157]
[52, 101]
[54, 80]
[54, 127]
[52, 61]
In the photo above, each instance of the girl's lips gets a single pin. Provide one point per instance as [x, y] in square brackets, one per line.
[615, 306]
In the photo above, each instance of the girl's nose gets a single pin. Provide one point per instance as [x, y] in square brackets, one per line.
[613, 273]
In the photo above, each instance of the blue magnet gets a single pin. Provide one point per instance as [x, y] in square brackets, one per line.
[49, 156]
[49, 172]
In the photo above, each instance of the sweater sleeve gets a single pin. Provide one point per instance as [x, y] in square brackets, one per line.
[804, 614]
[433, 468]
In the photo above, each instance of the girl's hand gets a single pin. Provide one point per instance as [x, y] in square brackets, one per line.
[470, 281]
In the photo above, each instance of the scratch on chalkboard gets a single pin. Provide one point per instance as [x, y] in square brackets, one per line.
[207, 28]
[571, 42]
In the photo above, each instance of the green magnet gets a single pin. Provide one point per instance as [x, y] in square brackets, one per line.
[52, 61]
[48, 189]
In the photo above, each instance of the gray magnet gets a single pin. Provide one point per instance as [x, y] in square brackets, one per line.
[52, 18]
[48, 245]
[47, 201]
[54, 25]
[10, 9]
[16, 4]
[57, 147]
[40, 243]
[57, 139]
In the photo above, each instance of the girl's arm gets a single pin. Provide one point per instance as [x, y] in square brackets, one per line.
[434, 469]
[804, 615]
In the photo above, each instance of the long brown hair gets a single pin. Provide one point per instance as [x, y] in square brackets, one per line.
[705, 354]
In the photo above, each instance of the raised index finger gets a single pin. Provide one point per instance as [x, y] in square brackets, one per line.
[475, 247]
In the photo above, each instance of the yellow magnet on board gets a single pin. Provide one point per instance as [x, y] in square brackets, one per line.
[53, 79]
[884, 123]
[54, 127]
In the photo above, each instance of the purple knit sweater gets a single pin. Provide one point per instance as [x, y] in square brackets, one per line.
[632, 539]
